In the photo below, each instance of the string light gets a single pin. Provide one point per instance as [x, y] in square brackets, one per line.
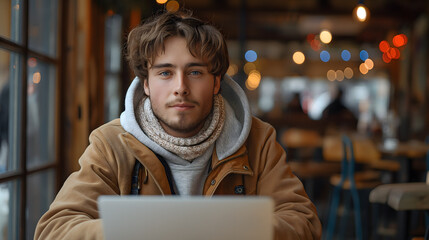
[172, 6]
[325, 56]
[250, 56]
[298, 57]
[361, 13]
[232, 70]
[348, 72]
[325, 36]
[331, 75]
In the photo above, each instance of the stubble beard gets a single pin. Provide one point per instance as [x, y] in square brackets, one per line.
[183, 125]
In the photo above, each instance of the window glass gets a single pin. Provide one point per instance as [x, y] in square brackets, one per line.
[112, 66]
[40, 192]
[42, 26]
[11, 19]
[10, 69]
[9, 210]
[40, 112]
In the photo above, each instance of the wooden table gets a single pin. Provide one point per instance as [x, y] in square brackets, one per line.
[405, 153]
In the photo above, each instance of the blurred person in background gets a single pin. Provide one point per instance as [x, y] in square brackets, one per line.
[338, 116]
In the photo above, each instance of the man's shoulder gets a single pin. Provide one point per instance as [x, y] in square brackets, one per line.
[257, 123]
[260, 129]
[112, 128]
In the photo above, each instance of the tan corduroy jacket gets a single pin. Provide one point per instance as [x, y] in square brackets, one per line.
[106, 168]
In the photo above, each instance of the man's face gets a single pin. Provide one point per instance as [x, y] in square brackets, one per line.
[180, 89]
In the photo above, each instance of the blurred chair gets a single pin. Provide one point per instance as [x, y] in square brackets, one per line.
[350, 182]
[303, 147]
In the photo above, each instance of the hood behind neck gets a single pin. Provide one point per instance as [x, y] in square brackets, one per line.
[235, 131]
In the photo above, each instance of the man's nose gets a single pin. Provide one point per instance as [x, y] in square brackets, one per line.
[182, 88]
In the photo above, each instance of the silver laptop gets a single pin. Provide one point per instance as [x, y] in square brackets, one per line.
[187, 218]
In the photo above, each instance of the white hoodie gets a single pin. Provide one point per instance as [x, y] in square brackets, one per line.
[189, 177]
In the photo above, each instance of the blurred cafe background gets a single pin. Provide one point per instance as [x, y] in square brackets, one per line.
[324, 73]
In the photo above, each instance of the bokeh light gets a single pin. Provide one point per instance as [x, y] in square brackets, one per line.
[325, 56]
[172, 6]
[340, 75]
[250, 56]
[232, 69]
[315, 44]
[325, 36]
[361, 13]
[363, 69]
[363, 55]
[386, 58]
[348, 72]
[37, 77]
[253, 80]
[345, 55]
[161, 1]
[298, 57]
[248, 67]
[384, 46]
[369, 64]
[394, 53]
[331, 75]
[399, 40]
[32, 62]
[310, 37]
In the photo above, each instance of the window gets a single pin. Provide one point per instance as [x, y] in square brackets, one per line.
[29, 68]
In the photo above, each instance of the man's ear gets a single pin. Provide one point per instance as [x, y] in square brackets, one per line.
[216, 87]
[146, 87]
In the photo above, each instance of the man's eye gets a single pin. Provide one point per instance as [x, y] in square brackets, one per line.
[165, 74]
[195, 73]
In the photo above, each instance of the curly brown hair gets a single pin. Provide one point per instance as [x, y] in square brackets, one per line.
[204, 42]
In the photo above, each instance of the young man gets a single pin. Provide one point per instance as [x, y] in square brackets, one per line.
[187, 130]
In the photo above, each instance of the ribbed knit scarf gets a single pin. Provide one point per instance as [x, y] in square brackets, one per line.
[186, 148]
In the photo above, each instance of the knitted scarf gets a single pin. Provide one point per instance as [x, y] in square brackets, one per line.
[186, 148]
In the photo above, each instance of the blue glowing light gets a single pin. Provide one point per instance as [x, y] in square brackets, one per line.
[325, 56]
[363, 55]
[251, 56]
[345, 55]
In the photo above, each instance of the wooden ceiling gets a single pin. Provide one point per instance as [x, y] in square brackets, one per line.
[287, 20]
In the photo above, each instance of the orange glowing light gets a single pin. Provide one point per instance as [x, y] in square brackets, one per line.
[384, 46]
[405, 38]
[398, 41]
[37, 77]
[331, 75]
[315, 45]
[298, 57]
[386, 58]
[172, 6]
[310, 37]
[394, 53]
[363, 69]
[110, 12]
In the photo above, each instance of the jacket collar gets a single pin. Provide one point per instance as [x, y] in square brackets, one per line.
[146, 157]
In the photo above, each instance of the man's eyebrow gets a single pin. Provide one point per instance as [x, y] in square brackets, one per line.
[169, 65]
[196, 64]
[162, 65]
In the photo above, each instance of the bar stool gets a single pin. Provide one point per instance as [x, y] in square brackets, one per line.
[348, 182]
